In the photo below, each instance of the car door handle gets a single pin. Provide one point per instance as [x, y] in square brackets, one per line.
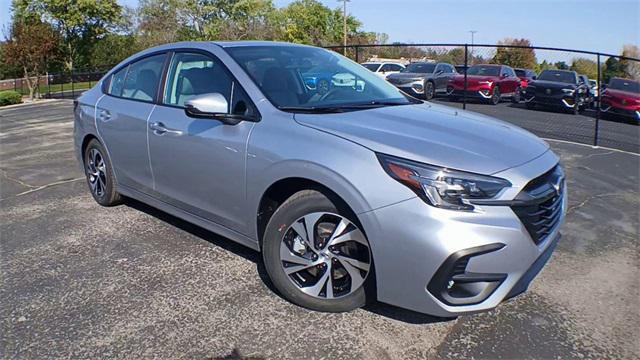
[159, 129]
[104, 115]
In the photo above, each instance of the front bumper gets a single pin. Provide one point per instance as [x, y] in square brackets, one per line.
[413, 242]
[631, 112]
[484, 92]
[555, 100]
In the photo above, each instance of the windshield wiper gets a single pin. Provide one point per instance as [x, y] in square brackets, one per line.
[312, 109]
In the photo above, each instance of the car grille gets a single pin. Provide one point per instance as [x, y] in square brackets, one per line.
[540, 207]
[401, 81]
[546, 92]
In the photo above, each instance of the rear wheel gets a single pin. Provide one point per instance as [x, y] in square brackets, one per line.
[316, 255]
[99, 174]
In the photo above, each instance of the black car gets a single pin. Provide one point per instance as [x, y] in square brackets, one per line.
[560, 89]
[591, 94]
[423, 79]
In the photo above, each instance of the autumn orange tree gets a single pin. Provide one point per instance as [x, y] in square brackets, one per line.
[29, 46]
[516, 57]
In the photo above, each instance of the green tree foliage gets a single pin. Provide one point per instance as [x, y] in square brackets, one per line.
[561, 65]
[515, 57]
[80, 22]
[585, 67]
[30, 45]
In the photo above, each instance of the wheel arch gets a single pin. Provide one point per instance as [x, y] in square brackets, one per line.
[282, 189]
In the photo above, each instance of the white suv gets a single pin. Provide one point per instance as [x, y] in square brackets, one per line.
[382, 69]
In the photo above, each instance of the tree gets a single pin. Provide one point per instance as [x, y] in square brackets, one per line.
[544, 65]
[561, 65]
[516, 57]
[612, 68]
[80, 23]
[585, 67]
[31, 43]
[631, 67]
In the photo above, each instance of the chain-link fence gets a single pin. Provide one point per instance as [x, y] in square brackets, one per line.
[595, 109]
[601, 106]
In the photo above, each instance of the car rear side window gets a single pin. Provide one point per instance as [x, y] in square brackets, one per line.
[140, 79]
[117, 82]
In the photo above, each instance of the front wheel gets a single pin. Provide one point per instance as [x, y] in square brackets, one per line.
[429, 90]
[316, 255]
[516, 96]
[495, 97]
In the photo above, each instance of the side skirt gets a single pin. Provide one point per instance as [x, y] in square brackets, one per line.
[187, 216]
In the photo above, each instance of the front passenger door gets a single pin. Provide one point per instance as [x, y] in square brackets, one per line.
[198, 163]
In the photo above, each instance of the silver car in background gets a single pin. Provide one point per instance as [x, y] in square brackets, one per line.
[352, 195]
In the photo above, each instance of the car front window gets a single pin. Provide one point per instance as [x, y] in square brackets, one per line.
[558, 76]
[307, 78]
[482, 70]
[625, 85]
[420, 68]
[371, 66]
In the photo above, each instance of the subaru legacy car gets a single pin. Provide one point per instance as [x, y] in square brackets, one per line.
[356, 194]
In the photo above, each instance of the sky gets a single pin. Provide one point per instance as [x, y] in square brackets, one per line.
[595, 25]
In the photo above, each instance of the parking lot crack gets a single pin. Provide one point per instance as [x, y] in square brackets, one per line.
[34, 189]
[571, 209]
[6, 176]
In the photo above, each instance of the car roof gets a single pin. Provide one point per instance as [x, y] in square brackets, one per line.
[229, 44]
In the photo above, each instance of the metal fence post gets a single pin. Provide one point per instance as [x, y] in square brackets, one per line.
[357, 54]
[466, 62]
[599, 81]
[48, 85]
[15, 84]
[73, 90]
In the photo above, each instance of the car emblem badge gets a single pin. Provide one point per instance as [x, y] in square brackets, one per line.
[557, 184]
[548, 91]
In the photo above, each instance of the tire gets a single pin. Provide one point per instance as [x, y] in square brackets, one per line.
[99, 174]
[516, 96]
[285, 239]
[495, 97]
[429, 90]
[322, 86]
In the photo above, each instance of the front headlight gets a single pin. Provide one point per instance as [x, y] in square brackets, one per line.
[442, 187]
[568, 91]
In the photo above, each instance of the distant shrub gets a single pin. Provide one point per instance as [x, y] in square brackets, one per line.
[10, 97]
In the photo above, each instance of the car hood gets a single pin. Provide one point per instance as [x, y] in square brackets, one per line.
[434, 134]
[623, 94]
[408, 75]
[552, 84]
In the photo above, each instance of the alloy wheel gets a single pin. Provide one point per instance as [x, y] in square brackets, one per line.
[97, 172]
[428, 90]
[325, 255]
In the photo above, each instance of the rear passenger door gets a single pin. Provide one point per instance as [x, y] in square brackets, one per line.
[198, 163]
[121, 119]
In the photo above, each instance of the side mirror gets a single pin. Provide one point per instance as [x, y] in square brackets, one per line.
[211, 106]
[534, 77]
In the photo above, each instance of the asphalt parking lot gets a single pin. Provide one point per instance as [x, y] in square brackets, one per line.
[81, 281]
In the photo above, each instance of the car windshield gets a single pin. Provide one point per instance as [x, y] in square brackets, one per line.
[371, 66]
[625, 85]
[309, 79]
[558, 76]
[419, 68]
[484, 70]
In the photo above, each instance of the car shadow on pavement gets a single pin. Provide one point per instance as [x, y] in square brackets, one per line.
[378, 308]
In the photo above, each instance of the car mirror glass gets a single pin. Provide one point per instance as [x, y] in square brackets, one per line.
[211, 106]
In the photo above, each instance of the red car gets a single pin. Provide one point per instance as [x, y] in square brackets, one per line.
[622, 97]
[526, 76]
[489, 83]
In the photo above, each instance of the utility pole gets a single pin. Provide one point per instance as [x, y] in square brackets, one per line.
[473, 32]
[344, 25]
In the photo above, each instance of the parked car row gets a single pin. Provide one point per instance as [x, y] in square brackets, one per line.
[492, 83]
